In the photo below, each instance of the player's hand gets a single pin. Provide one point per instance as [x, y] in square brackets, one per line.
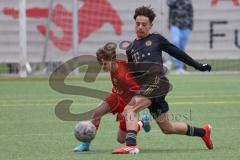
[205, 67]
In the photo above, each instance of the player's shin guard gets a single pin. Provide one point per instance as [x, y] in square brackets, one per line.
[131, 138]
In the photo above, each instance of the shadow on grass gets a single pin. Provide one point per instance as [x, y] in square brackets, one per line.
[153, 150]
[173, 150]
[97, 151]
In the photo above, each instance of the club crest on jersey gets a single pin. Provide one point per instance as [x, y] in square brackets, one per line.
[148, 43]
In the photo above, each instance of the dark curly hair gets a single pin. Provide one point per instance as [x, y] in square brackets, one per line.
[145, 11]
[108, 52]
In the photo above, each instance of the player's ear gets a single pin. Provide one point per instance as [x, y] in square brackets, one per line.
[151, 24]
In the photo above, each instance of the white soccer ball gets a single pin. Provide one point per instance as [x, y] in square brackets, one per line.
[85, 131]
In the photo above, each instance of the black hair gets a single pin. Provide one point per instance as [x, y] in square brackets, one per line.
[145, 11]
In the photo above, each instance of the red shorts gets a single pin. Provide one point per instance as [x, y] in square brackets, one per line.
[117, 105]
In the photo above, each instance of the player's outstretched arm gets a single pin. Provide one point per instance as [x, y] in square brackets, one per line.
[185, 58]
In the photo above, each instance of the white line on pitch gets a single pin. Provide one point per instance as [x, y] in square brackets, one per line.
[112, 132]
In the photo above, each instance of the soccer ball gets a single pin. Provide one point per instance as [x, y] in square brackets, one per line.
[85, 131]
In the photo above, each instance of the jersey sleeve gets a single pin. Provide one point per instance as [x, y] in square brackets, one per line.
[177, 53]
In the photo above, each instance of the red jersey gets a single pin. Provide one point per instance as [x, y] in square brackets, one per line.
[124, 88]
[123, 83]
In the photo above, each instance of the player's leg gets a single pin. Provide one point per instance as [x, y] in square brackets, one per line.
[121, 135]
[100, 111]
[183, 128]
[159, 110]
[169, 127]
[144, 123]
[137, 104]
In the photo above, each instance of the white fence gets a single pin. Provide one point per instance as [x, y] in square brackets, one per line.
[215, 36]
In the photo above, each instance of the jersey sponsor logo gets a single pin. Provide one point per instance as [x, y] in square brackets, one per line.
[136, 57]
[105, 14]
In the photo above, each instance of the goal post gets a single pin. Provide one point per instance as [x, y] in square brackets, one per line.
[22, 38]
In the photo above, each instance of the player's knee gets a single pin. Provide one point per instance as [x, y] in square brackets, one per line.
[128, 110]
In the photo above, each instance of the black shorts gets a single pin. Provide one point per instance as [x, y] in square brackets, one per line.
[156, 90]
[159, 106]
[155, 86]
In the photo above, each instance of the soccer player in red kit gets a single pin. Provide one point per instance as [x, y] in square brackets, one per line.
[124, 88]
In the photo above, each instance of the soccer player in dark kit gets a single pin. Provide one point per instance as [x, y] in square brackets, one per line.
[148, 47]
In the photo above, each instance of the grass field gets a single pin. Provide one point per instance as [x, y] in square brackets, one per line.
[29, 129]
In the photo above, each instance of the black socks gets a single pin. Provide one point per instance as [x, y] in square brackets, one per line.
[194, 131]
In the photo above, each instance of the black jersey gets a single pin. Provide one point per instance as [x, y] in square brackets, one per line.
[149, 49]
